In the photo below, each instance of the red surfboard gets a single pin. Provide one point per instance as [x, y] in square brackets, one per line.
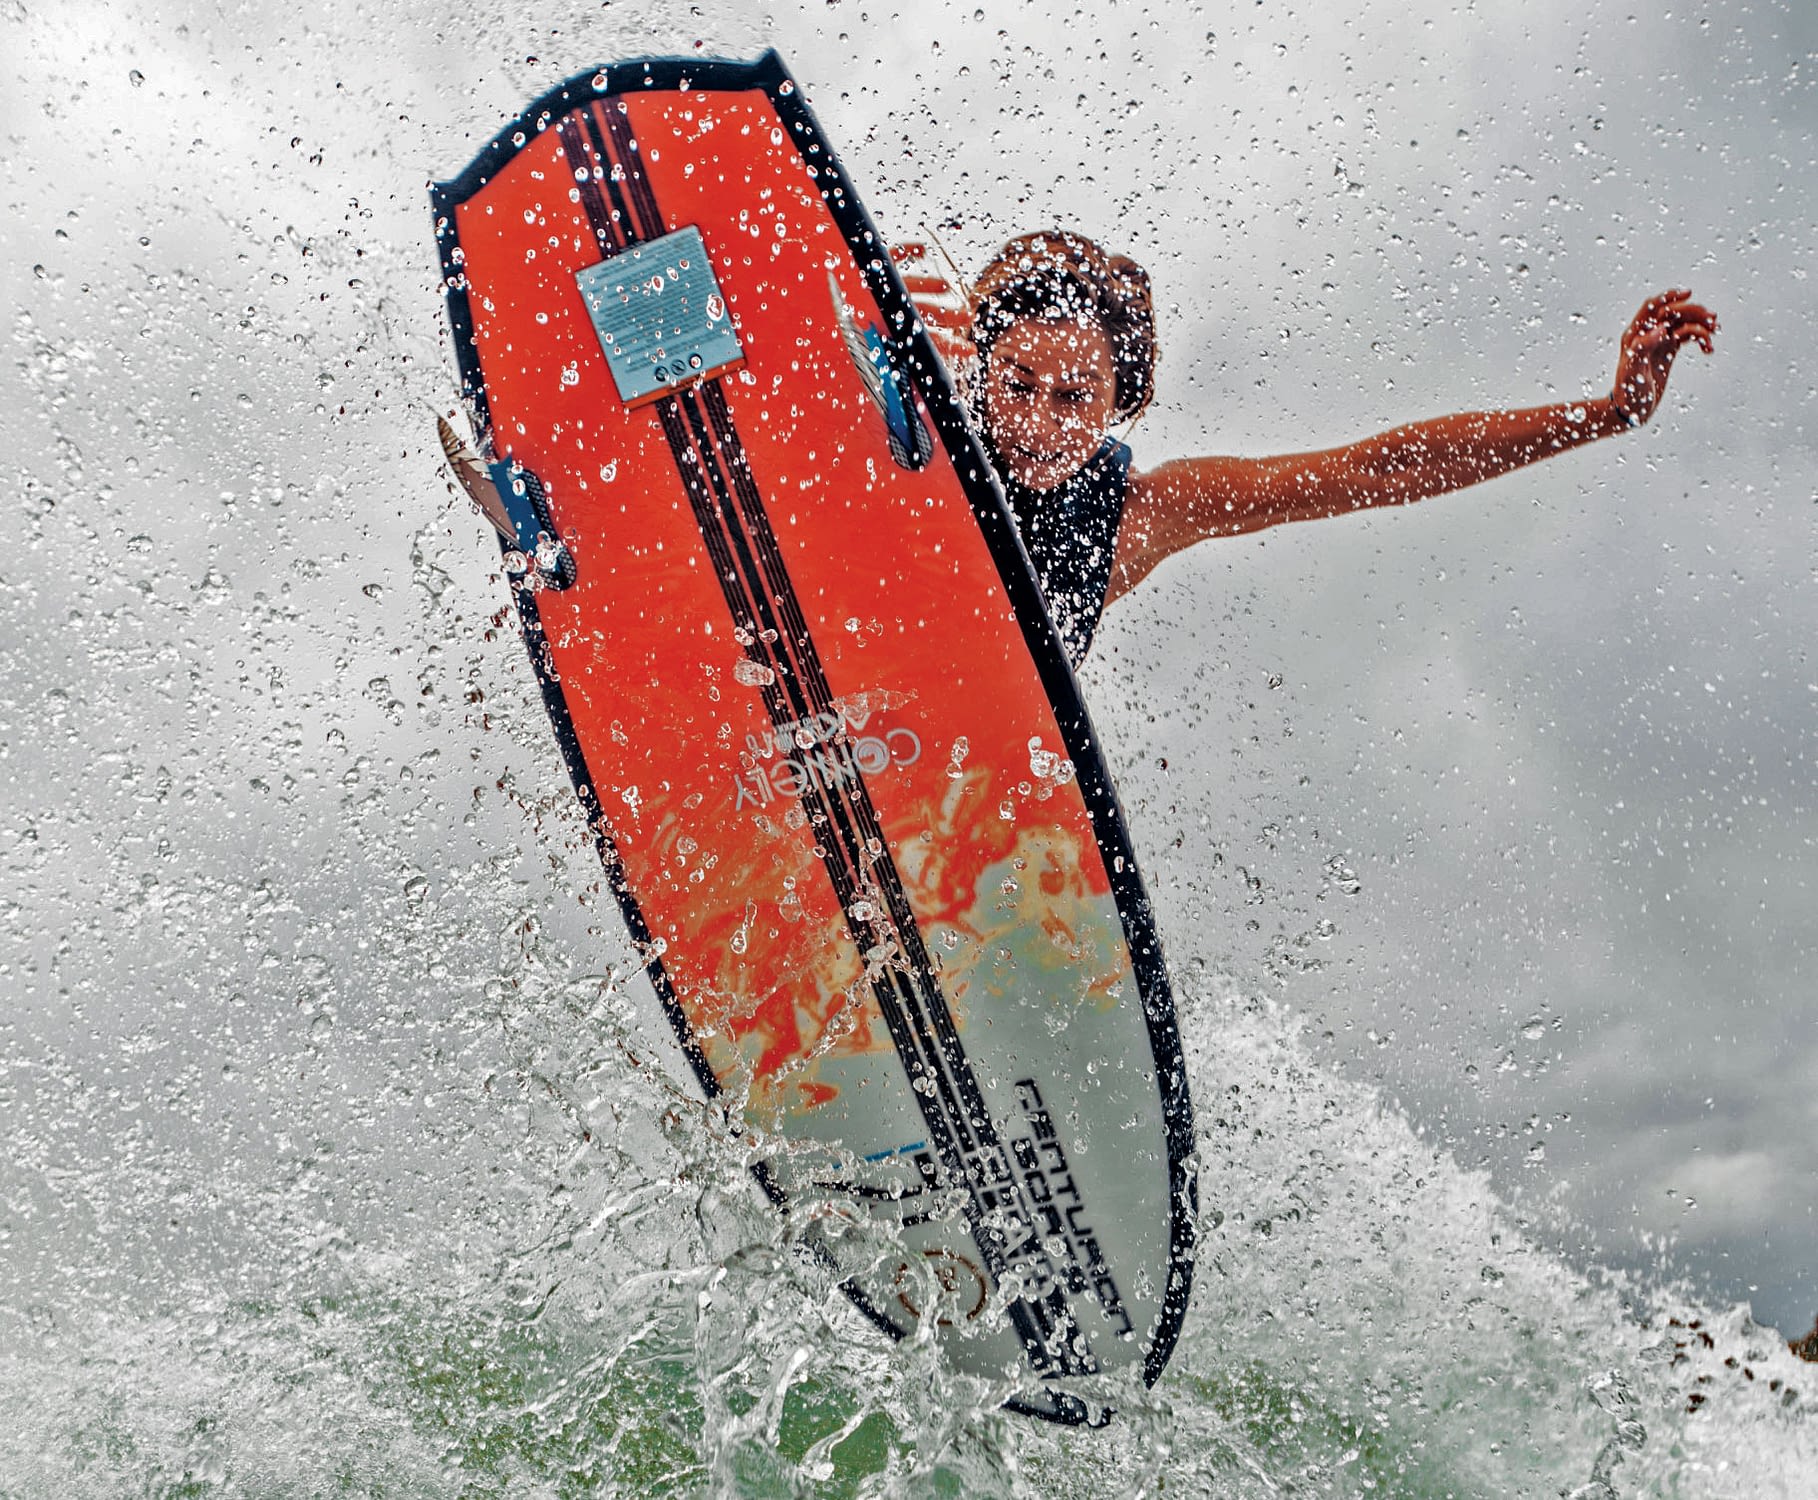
[820, 721]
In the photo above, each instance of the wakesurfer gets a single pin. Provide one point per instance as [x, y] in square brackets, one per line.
[1059, 337]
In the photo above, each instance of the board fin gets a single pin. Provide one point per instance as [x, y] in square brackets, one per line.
[911, 445]
[512, 499]
[470, 473]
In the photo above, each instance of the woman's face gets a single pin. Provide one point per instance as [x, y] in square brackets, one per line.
[1050, 389]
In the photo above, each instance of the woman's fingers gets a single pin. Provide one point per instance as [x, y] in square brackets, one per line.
[1658, 303]
[923, 284]
[936, 315]
[1666, 321]
[1686, 312]
[1673, 305]
[954, 350]
[1677, 327]
[1692, 322]
[1701, 334]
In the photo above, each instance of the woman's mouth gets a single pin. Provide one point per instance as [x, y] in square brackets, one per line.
[1032, 458]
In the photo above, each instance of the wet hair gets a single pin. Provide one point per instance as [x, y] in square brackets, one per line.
[1056, 274]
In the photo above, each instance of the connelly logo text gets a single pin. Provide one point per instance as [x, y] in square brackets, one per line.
[825, 750]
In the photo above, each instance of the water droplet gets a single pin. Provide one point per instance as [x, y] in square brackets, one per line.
[1612, 1394]
[753, 673]
[1045, 765]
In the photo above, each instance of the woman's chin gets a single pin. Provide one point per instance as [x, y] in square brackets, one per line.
[1040, 473]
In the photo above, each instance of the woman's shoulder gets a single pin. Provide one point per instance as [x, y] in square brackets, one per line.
[1181, 477]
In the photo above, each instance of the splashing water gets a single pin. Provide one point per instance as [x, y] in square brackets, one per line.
[343, 1153]
[624, 1315]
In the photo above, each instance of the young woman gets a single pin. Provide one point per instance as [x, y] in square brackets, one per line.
[1064, 337]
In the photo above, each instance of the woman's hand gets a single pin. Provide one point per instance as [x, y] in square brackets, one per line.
[1665, 323]
[940, 303]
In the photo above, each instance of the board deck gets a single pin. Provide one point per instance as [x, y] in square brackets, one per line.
[820, 722]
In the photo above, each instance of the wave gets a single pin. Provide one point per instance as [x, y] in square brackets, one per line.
[1368, 1320]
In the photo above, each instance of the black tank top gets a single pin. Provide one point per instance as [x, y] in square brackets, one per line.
[1070, 533]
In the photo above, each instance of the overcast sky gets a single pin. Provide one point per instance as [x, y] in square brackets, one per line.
[1558, 729]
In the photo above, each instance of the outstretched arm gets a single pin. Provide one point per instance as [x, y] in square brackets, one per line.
[1186, 501]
